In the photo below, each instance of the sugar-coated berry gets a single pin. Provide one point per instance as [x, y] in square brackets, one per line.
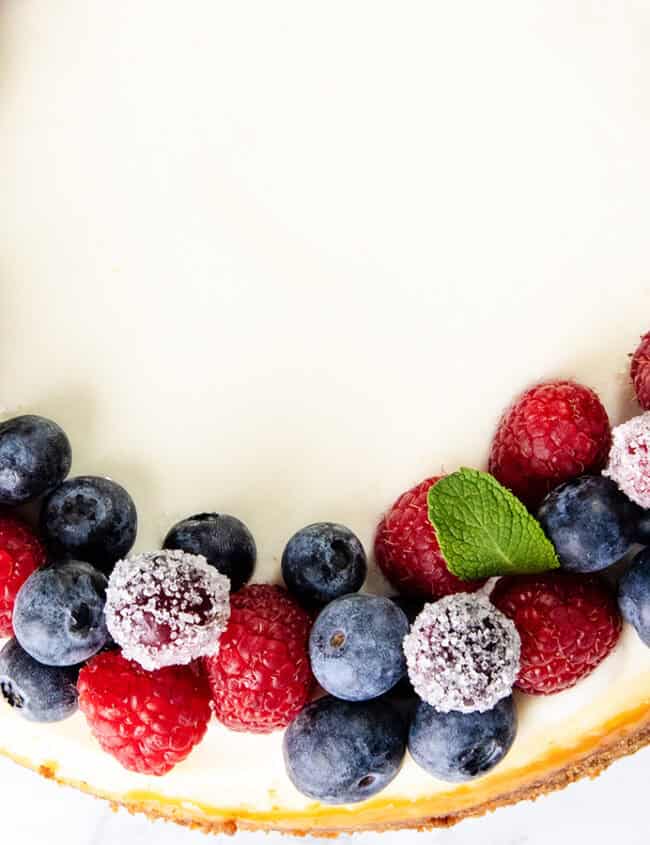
[590, 523]
[634, 595]
[148, 721]
[457, 747]
[38, 693]
[462, 654]
[90, 518]
[35, 457]
[223, 540]
[21, 553]
[640, 372]
[340, 752]
[322, 562]
[167, 608]
[59, 613]
[355, 646]
[629, 459]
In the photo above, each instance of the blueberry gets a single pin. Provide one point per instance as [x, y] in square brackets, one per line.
[634, 595]
[322, 562]
[402, 694]
[338, 752]
[90, 518]
[590, 523]
[59, 613]
[39, 693]
[34, 457]
[642, 533]
[224, 541]
[457, 746]
[355, 646]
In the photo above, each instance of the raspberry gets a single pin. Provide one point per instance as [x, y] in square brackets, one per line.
[552, 433]
[567, 623]
[261, 677]
[148, 721]
[407, 550]
[21, 552]
[640, 372]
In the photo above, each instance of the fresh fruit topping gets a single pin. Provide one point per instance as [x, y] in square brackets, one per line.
[484, 530]
[223, 540]
[642, 528]
[457, 747]
[568, 625]
[39, 693]
[356, 647]
[640, 372]
[634, 595]
[35, 457]
[167, 608]
[590, 523]
[629, 459]
[408, 553]
[59, 613]
[21, 553]
[553, 432]
[261, 678]
[462, 654]
[90, 518]
[148, 721]
[340, 752]
[322, 562]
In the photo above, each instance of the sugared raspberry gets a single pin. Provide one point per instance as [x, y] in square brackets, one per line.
[21, 552]
[553, 432]
[166, 608]
[462, 654]
[261, 677]
[407, 550]
[567, 623]
[640, 372]
[148, 721]
[629, 459]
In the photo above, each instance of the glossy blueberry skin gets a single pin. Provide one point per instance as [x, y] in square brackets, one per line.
[634, 595]
[223, 540]
[355, 646]
[642, 533]
[458, 747]
[35, 457]
[340, 752]
[323, 562]
[59, 613]
[590, 523]
[90, 518]
[39, 693]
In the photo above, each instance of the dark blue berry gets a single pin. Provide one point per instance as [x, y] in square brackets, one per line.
[322, 562]
[590, 523]
[223, 540]
[402, 694]
[642, 532]
[634, 595]
[59, 613]
[338, 752]
[35, 456]
[39, 693]
[457, 746]
[355, 646]
[90, 518]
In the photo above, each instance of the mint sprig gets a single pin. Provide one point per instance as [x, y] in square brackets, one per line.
[484, 530]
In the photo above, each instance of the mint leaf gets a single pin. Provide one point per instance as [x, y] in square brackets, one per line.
[484, 530]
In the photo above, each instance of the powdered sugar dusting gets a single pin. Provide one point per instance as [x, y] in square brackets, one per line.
[462, 654]
[167, 608]
[629, 459]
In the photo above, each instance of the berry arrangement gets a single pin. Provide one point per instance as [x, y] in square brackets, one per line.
[151, 646]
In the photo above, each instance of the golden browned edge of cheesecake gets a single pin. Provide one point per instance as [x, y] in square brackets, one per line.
[556, 769]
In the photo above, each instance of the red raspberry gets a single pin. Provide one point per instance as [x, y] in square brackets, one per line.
[148, 721]
[261, 677]
[553, 432]
[21, 552]
[567, 623]
[407, 550]
[640, 372]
